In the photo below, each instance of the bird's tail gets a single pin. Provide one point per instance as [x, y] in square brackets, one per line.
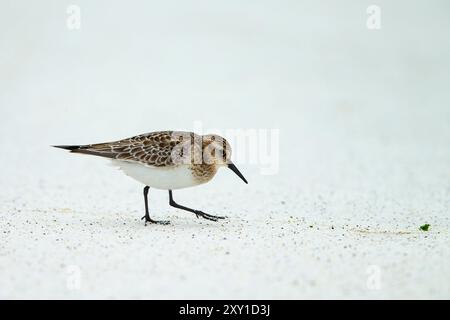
[100, 149]
[72, 148]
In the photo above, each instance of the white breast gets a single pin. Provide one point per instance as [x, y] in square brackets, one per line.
[165, 178]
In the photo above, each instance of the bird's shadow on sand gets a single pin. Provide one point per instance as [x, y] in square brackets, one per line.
[134, 221]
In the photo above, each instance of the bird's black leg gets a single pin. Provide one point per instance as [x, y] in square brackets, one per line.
[198, 213]
[147, 215]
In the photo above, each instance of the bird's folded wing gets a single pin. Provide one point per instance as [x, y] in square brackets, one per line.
[157, 149]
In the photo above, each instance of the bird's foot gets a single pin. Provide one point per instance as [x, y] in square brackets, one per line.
[150, 220]
[206, 216]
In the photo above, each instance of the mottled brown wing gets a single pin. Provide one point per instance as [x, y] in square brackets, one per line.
[154, 149]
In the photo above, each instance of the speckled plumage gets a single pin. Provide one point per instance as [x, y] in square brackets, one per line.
[152, 149]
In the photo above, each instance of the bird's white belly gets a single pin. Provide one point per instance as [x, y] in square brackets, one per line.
[165, 178]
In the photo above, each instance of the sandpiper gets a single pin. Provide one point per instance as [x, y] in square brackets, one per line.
[166, 160]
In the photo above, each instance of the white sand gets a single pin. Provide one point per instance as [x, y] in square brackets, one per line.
[364, 154]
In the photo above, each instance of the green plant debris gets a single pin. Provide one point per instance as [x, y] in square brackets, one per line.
[425, 227]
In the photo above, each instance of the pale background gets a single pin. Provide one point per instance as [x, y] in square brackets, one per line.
[364, 120]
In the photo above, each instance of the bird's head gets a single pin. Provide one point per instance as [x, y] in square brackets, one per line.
[217, 150]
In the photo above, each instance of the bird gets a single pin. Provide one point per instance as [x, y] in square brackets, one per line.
[166, 160]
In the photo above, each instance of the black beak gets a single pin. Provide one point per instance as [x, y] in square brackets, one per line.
[235, 170]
